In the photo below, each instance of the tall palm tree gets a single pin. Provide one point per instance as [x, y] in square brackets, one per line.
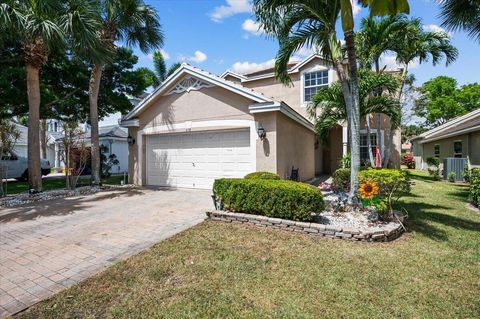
[409, 41]
[41, 25]
[328, 107]
[135, 24]
[312, 23]
[417, 44]
[463, 15]
[375, 38]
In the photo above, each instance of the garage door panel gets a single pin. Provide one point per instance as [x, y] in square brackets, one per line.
[197, 159]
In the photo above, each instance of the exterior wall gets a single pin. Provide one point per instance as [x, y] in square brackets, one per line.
[213, 103]
[295, 148]
[470, 147]
[120, 149]
[266, 150]
[474, 147]
[333, 150]
[208, 104]
[291, 95]
[21, 150]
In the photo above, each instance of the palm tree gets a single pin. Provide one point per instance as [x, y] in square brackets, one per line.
[418, 44]
[133, 23]
[407, 39]
[376, 37]
[462, 14]
[329, 109]
[173, 68]
[159, 65]
[41, 25]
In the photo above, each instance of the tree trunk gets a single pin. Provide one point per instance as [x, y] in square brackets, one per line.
[379, 116]
[354, 115]
[43, 139]
[33, 92]
[369, 140]
[388, 151]
[94, 88]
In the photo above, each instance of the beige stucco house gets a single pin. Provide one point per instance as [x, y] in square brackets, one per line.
[197, 126]
[458, 138]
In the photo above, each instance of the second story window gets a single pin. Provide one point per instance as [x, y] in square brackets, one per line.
[313, 82]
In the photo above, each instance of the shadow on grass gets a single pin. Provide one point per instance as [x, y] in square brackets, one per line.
[61, 206]
[423, 215]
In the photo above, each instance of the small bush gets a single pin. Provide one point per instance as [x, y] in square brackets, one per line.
[341, 179]
[262, 175]
[434, 167]
[475, 186]
[392, 184]
[345, 161]
[409, 161]
[452, 176]
[272, 198]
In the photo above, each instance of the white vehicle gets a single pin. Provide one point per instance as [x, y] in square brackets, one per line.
[14, 166]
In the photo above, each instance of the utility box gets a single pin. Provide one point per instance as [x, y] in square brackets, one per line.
[454, 164]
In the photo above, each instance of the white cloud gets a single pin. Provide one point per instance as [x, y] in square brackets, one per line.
[233, 7]
[249, 67]
[252, 27]
[389, 60]
[197, 57]
[437, 28]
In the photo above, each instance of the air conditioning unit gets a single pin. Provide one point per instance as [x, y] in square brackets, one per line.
[453, 164]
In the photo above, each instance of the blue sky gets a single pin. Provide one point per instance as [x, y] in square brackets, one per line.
[221, 34]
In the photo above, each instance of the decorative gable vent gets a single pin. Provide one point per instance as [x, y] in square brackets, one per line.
[188, 84]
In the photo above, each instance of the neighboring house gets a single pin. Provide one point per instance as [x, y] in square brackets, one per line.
[113, 137]
[197, 126]
[21, 146]
[459, 138]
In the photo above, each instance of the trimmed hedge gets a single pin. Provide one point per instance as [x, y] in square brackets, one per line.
[271, 198]
[262, 175]
[474, 177]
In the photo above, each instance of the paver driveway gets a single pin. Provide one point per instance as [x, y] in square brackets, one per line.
[51, 245]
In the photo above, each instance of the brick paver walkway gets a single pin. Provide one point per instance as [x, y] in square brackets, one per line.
[53, 244]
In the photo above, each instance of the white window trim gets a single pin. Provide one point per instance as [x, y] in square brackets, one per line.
[461, 141]
[382, 139]
[439, 150]
[315, 68]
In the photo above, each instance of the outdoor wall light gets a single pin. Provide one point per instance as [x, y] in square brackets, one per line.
[261, 132]
[130, 140]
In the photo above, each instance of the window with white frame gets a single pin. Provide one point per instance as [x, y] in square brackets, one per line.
[313, 82]
[364, 157]
[457, 149]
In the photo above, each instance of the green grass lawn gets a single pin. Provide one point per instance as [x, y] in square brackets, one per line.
[234, 271]
[59, 183]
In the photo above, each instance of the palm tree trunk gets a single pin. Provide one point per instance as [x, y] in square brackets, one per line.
[94, 89]
[43, 139]
[33, 93]
[379, 116]
[354, 115]
[388, 151]
[369, 141]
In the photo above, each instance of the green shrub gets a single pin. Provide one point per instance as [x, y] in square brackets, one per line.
[475, 186]
[452, 176]
[345, 161]
[272, 198]
[433, 161]
[341, 179]
[262, 175]
[434, 167]
[392, 184]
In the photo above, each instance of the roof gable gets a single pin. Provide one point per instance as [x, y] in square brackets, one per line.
[187, 78]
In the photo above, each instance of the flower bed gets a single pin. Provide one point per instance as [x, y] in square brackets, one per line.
[26, 198]
[379, 233]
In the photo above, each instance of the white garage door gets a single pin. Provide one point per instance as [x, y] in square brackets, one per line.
[195, 160]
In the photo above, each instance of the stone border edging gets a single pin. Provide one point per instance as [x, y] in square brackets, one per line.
[388, 233]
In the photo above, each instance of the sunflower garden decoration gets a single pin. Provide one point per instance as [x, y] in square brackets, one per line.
[368, 193]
